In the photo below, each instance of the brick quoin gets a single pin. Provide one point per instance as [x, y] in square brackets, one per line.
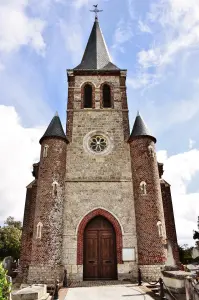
[82, 226]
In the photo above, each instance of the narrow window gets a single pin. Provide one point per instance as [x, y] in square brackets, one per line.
[88, 96]
[45, 151]
[106, 96]
[39, 228]
[143, 188]
[151, 151]
[55, 185]
[160, 231]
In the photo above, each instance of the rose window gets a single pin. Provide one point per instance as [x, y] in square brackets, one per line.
[98, 143]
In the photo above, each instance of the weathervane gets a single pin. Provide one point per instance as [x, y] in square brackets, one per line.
[96, 11]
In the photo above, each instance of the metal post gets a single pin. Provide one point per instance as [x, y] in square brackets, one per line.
[56, 293]
[139, 277]
[162, 294]
[65, 284]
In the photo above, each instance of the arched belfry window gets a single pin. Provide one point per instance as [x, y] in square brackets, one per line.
[88, 96]
[106, 101]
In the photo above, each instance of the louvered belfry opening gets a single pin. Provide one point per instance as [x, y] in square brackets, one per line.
[106, 96]
[88, 96]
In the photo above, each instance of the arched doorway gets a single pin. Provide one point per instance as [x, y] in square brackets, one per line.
[100, 260]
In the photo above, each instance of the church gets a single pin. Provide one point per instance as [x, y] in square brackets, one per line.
[98, 206]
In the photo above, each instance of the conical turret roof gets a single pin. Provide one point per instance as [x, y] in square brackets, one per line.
[140, 129]
[54, 129]
[96, 55]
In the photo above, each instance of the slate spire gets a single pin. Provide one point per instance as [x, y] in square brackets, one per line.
[140, 129]
[96, 55]
[54, 129]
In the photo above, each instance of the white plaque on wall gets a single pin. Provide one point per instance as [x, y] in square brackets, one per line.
[128, 254]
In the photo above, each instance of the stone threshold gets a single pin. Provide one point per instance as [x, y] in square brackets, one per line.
[74, 284]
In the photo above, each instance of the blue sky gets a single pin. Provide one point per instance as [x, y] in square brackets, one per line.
[156, 40]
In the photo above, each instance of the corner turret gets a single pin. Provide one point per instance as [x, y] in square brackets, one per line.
[47, 231]
[150, 224]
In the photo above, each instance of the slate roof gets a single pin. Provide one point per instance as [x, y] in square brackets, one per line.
[96, 55]
[54, 129]
[140, 129]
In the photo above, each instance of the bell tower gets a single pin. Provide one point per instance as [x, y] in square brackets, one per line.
[98, 169]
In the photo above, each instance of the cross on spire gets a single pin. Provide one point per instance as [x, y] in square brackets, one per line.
[96, 11]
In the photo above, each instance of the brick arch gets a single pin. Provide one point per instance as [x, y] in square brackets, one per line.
[82, 93]
[112, 93]
[82, 226]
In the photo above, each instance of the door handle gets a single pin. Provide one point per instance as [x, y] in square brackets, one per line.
[108, 261]
[91, 261]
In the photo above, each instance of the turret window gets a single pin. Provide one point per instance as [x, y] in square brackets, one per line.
[143, 188]
[45, 151]
[39, 229]
[106, 101]
[160, 230]
[55, 186]
[88, 91]
[151, 151]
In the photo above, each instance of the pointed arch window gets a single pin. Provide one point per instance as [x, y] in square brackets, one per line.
[88, 95]
[151, 151]
[55, 186]
[106, 101]
[45, 151]
[160, 229]
[39, 229]
[143, 188]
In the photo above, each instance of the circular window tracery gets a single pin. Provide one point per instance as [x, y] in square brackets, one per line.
[98, 143]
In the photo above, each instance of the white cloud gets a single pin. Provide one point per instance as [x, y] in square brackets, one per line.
[73, 39]
[20, 149]
[175, 28]
[144, 27]
[142, 79]
[123, 33]
[180, 30]
[19, 29]
[179, 171]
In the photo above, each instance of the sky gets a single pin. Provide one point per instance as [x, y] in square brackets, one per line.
[157, 41]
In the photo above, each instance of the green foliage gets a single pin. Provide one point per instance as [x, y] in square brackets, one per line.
[185, 254]
[10, 221]
[196, 259]
[196, 233]
[5, 286]
[10, 238]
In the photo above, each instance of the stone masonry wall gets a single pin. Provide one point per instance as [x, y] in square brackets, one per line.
[46, 251]
[97, 181]
[150, 272]
[27, 233]
[148, 207]
[169, 219]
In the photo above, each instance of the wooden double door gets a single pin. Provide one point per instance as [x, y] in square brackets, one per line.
[99, 250]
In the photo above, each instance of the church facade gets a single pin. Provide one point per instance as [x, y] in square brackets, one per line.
[98, 206]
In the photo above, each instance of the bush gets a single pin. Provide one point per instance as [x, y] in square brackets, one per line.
[5, 286]
[196, 259]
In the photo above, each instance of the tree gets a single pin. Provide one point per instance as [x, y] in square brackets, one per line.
[196, 234]
[5, 286]
[10, 238]
[185, 253]
[10, 221]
